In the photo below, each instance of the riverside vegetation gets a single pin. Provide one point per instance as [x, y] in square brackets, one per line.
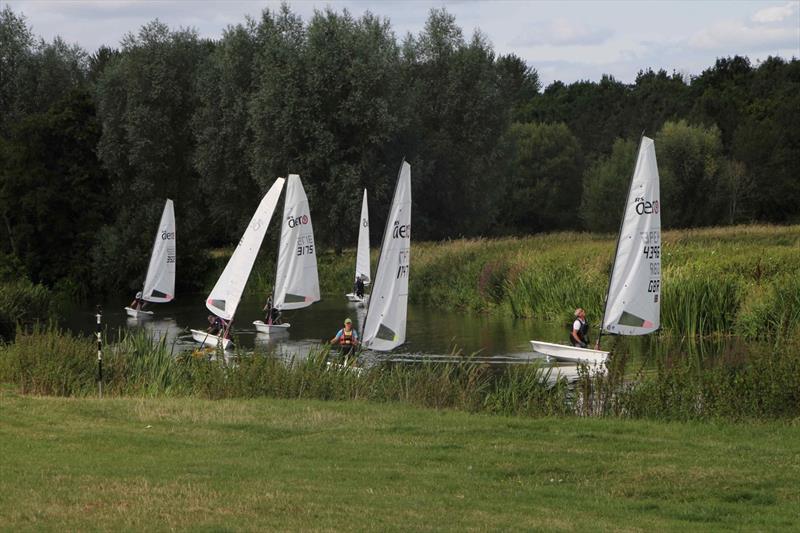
[716, 282]
[738, 280]
[737, 385]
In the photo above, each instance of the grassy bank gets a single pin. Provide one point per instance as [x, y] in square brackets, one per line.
[243, 465]
[740, 279]
[741, 385]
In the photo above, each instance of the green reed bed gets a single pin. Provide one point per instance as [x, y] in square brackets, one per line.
[738, 280]
[22, 302]
[745, 382]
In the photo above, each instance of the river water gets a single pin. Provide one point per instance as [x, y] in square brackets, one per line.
[431, 333]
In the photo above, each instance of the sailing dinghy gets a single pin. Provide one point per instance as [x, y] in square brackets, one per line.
[296, 278]
[226, 294]
[385, 325]
[362, 255]
[159, 283]
[634, 289]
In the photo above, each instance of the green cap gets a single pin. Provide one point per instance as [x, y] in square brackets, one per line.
[348, 321]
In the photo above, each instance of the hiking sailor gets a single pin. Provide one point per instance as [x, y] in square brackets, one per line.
[579, 336]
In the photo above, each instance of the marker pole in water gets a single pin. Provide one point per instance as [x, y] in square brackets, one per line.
[99, 335]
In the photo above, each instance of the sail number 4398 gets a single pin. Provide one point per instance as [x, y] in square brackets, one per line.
[652, 252]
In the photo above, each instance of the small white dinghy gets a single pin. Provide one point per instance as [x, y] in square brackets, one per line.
[570, 354]
[362, 255]
[271, 329]
[385, 324]
[226, 294]
[137, 313]
[159, 283]
[633, 300]
[296, 278]
[207, 339]
[354, 299]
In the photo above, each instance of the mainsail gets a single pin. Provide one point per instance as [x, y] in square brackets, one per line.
[633, 302]
[385, 327]
[225, 295]
[362, 255]
[296, 279]
[159, 284]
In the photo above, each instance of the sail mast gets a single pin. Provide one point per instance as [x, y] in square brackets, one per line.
[616, 248]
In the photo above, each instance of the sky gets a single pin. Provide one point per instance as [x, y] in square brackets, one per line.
[566, 40]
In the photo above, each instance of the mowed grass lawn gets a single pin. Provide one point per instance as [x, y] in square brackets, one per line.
[161, 464]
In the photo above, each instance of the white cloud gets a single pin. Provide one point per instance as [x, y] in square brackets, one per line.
[737, 35]
[775, 13]
[562, 32]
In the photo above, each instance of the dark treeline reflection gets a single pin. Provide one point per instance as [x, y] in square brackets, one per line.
[92, 143]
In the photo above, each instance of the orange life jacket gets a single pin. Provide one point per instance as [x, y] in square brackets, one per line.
[347, 338]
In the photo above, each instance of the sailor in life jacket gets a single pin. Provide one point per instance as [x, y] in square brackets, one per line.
[579, 336]
[346, 338]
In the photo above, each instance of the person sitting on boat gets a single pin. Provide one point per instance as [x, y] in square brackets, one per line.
[216, 325]
[273, 315]
[359, 287]
[138, 302]
[346, 338]
[579, 336]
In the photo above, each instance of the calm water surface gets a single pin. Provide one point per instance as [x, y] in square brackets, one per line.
[431, 333]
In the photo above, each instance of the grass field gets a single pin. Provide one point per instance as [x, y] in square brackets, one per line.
[233, 465]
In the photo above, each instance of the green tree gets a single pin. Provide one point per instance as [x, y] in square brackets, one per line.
[53, 191]
[605, 186]
[16, 47]
[326, 108]
[545, 169]
[456, 118]
[223, 131]
[146, 99]
[689, 163]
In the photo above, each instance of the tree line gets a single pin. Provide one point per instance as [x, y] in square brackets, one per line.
[92, 143]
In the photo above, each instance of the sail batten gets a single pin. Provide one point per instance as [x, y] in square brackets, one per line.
[226, 294]
[296, 278]
[362, 254]
[633, 303]
[159, 283]
[385, 326]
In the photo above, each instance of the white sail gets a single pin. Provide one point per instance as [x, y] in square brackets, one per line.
[633, 305]
[296, 280]
[225, 295]
[159, 284]
[385, 327]
[362, 255]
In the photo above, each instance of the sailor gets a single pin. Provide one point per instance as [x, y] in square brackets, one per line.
[359, 287]
[216, 325]
[138, 302]
[579, 336]
[346, 338]
[273, 315]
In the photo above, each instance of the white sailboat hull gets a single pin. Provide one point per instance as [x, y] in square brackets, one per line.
[571, 354]
[268, 329]
[353, 298]
[137, 313]
[207, 339]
